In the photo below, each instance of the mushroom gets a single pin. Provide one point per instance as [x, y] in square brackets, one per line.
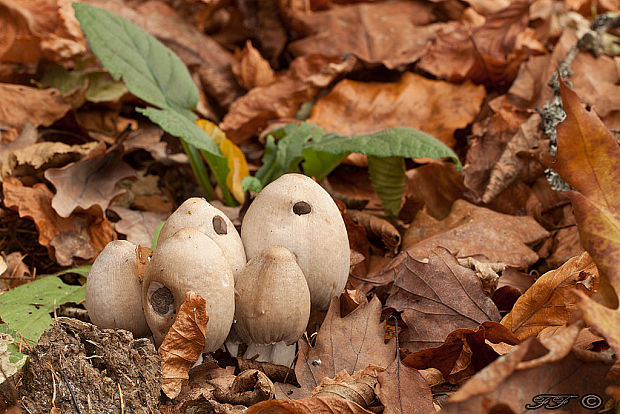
[189, 260]
[198, 213]
[297, 213]
[113, 290]
[273, 307]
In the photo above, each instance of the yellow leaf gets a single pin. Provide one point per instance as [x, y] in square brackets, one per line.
[237, 165]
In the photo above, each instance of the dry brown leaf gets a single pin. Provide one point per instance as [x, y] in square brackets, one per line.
[143, 256]
[89, 182]
[248, 388]
[36, 29]
[252, 69]
[435, 186]
[148, 137]
[138, 226]
[464, 352]
[490, 53]
[435, 107]
[361, 29]
[183, 343]
[26, 137]
[307, 406]
[470, 231]
[515, 379]
[436, 298]
[403, 390]
[13, 270]
[66, 238]
[40, 156]
[551, 300]
[358, 387]
[377, 228]
[350, 343]
[281, 99]
[19, 104]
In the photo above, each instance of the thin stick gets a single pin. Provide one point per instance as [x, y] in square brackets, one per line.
[120, 393]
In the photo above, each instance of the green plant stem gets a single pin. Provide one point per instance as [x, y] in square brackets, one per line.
[199, 169]
[229, 200]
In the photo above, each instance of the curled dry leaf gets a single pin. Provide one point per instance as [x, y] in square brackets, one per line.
[307, 406]
[551, 300]
[526, 372]
[90, 182]
[402, 389]
[436, 298]
[67, 238]
[19, 103]
[29, 160]
[358, 387]
[588, 159]
[377, 228]
[36, 29]
[486, 272]
[282, 98]
[470, 230]
[143, 255]
[252, 69]
[248, 388]
[464, 352]
[183, 344]
[361, 29]
[433, 106]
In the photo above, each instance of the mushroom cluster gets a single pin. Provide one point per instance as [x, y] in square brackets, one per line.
[295, 240]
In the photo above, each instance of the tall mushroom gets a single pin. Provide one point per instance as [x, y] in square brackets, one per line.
[189, 260]
[113, 290]
[297, 213]
[198, 213]
[273, 307]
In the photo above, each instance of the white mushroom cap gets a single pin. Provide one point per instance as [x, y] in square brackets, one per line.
[189, 260]
[274, 300]
[113, 290]
[196, 212]
[297, 213]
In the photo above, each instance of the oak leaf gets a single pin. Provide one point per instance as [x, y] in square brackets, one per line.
[138, 226]
[350, 343]
[19, 104]
[183, 343]
[436, 298]
[89, 182]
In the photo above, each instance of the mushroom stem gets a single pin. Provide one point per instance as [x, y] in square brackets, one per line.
[278, 353]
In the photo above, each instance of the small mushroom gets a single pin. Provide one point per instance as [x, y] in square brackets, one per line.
[273, 307]
[113, 290]
[189, 260]
[297, 213]
[198, 213]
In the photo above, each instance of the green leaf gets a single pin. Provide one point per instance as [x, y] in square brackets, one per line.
[392, 142]
[286, 156]
[102, 88]
[179, 125]
[252, 184]
[26, 308]
[387, 175]
[156, 237]
[62, 79]
[320, 164]
[150, 70]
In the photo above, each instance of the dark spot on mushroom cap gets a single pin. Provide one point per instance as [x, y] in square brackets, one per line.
[301, 207]
[162, 301]
[219, 225]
